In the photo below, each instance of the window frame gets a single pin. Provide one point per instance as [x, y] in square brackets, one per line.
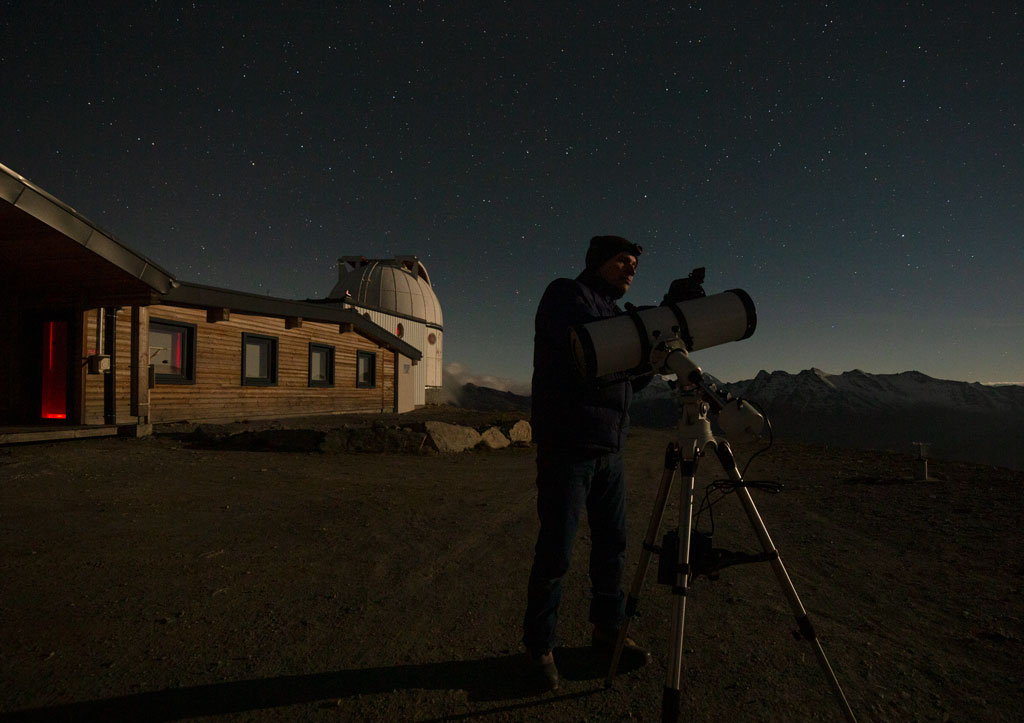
[318, 347]
[271, 379]
[372, 356]
[188, 373]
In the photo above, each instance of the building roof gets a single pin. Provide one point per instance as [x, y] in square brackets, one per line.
[51, 254]
[210, 297]
[399, 286]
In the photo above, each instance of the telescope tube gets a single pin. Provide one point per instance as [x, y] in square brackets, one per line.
[624, 342]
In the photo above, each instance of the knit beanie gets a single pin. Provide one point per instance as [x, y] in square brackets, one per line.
[603, 248]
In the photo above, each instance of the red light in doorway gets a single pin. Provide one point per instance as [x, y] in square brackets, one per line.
[55, 370]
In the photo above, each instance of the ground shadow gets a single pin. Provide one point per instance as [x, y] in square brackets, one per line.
[264, 440]
[488, 679]
[883, 481]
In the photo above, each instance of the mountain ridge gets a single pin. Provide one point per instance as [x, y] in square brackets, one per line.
[960, 420]
[965, 421]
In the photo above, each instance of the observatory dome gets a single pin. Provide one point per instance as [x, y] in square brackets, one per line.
[399, 286]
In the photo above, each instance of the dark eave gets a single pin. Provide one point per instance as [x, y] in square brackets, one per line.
[50, 255]
[210, 297]
[49, 249]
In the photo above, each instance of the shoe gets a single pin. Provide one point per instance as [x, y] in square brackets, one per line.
[542, 671]
[633, 656]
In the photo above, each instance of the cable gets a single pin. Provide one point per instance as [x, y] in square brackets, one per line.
[771, 436]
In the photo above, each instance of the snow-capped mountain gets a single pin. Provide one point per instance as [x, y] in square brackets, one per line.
[814, 390]
[960, 420]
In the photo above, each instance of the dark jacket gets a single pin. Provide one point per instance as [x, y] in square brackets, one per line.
[571, 415]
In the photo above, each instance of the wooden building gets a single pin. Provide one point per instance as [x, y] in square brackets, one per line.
[95, 337]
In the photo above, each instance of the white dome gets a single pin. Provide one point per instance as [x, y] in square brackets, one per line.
[399, 286]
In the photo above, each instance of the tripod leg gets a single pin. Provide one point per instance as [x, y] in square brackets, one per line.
[649, 547]
[803, 622]
[674, 675]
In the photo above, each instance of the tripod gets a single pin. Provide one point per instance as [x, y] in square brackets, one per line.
[694, 439]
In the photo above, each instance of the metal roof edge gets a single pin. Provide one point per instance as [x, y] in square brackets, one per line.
[33, 200]
[370, 307]
[201, 296]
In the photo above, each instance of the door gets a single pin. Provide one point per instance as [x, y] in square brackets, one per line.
[53, 398]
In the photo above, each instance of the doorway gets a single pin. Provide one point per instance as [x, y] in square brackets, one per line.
[53, 398]
[36, 368]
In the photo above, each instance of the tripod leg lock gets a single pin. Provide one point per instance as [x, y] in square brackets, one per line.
[631, 607]
[668, 558]
[669, 568]
[806, 629]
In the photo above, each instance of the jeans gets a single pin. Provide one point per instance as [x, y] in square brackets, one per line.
[564, 487]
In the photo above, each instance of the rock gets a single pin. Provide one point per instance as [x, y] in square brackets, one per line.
[492, 438]
[288, 440]
[521, 433]
[400, 439]
[450, 437]
[372, 439]
[335, 441]
[366, 439]
[269, 440]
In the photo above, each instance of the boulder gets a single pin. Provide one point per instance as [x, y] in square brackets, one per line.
[400, 439]
[374, 439]
[451, 437]
[335, 441]
[494, 439]
[363, 439]
[287, 440]
[521, 433]
[267, 440]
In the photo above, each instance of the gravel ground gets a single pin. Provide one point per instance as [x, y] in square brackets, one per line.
[150, 580]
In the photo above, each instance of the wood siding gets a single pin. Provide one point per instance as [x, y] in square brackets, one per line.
[218, 393]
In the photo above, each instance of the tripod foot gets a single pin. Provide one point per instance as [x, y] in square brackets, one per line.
[670, 705]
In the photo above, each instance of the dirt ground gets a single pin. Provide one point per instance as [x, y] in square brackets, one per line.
[150, 580]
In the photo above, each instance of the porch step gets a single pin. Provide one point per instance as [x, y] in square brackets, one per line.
[20, 435]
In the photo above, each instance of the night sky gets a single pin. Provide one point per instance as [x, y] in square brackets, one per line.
[855, 167]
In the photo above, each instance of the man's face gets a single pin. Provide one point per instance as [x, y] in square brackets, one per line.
[619, 271]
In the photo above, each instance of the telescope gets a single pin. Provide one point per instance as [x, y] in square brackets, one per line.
[624, 343]
[659, 339]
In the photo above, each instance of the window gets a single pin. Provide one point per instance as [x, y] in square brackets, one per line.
[172, 351]
[366, 369]
[321, 365]
[259, 360]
